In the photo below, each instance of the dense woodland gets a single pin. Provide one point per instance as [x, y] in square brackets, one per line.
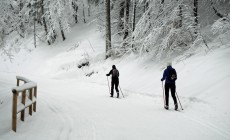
[160, 28]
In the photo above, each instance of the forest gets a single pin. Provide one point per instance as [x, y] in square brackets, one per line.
[162, 29]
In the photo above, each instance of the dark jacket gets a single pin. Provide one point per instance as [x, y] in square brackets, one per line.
[115, 74]
[166, 76]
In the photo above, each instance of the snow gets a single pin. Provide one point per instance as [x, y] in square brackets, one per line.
[23, 79]
[25, 86]
[71, 105]
[28, 102]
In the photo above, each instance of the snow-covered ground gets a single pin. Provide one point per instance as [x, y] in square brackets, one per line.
[74, 106]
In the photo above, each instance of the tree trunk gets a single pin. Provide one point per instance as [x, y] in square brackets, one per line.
[89, 10]
[75, 7]
[20, 5]
[35, 15]
[134, 14]
[178, 23]
[44, 20]
[21, 26]
[34, 32]
[134, 18]
[126, 33]
[180, 15]
[195, 10]
[145, 6]
[108, 28]
[121, 14]
[84, 12]
[161, 6]
[62, 32]
[54, 35]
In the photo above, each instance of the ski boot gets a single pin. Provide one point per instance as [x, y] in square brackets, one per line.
[176, 106]
[166, 107]
[117, 94]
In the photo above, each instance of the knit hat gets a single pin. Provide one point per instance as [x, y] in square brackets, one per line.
[114, 67]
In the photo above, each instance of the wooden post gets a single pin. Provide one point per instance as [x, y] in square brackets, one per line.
[35, 103]
[14, 111]
[31, 98]
[18, 82]
[23, 102]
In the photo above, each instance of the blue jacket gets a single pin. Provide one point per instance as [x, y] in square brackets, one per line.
[166, 77]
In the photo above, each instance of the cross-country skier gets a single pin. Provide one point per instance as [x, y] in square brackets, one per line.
[170, 76]
[115, 80]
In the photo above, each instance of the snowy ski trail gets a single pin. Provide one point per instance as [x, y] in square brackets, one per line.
[74, 109]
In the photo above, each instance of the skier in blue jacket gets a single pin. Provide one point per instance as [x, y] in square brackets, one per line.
[170, 76]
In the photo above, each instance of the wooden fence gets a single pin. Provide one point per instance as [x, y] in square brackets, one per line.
[24, 96]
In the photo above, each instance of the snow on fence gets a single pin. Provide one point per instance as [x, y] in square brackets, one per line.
[28, 95]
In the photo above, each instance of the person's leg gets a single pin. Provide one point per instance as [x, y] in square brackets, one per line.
[116, 87]
[173, 91]
[167, 95]
[112, 87]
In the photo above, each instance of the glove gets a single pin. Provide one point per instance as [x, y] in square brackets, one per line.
[162, 79]
[107, 74]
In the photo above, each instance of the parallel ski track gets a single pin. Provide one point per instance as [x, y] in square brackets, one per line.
[225, 134]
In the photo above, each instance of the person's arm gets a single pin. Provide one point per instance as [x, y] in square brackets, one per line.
[176, 75]
[164, 76]
[109, 73]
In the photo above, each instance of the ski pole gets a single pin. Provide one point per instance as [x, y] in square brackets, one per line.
[163, 93]
[121, 92]
[179, 101]
[108, 84]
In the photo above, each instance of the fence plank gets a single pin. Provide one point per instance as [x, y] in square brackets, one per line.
[14, 112]
[18, 82]
[23, 102]
[31, 98]
[35, 103]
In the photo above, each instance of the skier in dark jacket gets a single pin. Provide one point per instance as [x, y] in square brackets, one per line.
[115, 80]
[170, 76]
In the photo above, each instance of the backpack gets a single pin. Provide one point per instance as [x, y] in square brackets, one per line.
[172, 74]
[115, 73]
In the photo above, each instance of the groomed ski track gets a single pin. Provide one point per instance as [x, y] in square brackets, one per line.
[72, 109]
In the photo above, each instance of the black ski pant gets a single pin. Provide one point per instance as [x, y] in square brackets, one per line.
[172, 87]
[115, 82]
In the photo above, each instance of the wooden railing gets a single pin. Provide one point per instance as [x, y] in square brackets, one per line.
[28, 94]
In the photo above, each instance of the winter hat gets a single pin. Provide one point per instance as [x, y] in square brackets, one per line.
[114, 67]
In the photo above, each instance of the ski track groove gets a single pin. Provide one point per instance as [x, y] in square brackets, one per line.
[66, 129]
[205, 124]
[67, 121]
[209, 125]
